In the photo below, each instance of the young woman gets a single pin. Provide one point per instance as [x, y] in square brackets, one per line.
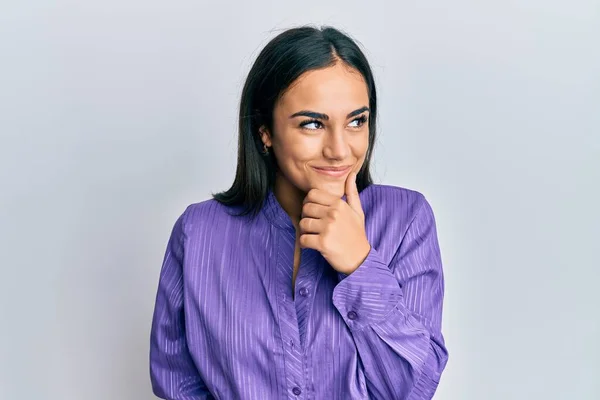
[304, 280]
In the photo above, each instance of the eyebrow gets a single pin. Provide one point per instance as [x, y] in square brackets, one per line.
[325, 117]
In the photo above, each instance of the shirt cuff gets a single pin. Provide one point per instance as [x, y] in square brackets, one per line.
[429, 379]
[367, 295]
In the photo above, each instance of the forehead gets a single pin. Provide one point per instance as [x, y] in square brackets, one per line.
[336, 89]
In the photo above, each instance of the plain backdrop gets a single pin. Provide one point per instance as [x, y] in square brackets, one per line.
[115, 115]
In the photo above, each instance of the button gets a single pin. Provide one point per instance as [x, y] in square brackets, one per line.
[352, 315]
[303, 291]
[296, 390]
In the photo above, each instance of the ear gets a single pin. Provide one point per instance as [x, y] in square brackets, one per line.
[265, 136]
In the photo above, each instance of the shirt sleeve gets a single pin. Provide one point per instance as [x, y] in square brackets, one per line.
[394, 313]
[173, 373]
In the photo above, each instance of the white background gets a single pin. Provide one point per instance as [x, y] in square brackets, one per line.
[115, 115]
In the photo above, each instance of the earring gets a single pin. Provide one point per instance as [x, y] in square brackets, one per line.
[266, 150]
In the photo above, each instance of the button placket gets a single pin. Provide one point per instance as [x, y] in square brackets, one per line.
[288, 320]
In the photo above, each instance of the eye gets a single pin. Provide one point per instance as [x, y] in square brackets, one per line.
[304, 124]
[361, 120]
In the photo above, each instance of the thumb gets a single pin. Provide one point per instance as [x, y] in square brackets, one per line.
[352, 197]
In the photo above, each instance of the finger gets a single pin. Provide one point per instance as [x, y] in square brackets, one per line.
[352, 197]
[310, 240]
[314, 210]
[311, 225]
[320, 196]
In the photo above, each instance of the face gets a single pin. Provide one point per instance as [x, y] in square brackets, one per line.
[321, 121]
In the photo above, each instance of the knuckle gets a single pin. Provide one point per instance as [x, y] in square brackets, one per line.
[305, 207]
[302, 224]
[307, 224]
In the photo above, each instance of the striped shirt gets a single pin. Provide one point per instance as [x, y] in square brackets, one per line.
[226, 324]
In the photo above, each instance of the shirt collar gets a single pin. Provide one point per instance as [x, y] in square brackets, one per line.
[276, 214]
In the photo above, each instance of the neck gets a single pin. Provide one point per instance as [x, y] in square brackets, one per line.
[290, 197]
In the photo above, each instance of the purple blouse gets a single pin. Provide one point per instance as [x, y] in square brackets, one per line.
[226, 326]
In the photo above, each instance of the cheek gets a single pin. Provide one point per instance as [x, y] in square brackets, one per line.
[360, 146]
[292, 161]
[293, 152]
[298, 151]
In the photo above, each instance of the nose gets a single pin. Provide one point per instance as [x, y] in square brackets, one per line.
[336, 145]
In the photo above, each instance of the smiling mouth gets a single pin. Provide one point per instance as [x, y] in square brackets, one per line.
[335, 172]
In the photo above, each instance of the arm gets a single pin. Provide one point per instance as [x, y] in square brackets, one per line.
[394, 313]
[172, 371]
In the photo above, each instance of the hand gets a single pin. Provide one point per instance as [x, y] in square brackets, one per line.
[334, 227]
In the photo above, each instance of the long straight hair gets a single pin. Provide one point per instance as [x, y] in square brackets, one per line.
[286, 57]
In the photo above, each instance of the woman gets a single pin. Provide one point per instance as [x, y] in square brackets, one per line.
[304, 280]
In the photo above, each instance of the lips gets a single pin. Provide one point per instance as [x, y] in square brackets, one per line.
[340, 168]
[333, 171]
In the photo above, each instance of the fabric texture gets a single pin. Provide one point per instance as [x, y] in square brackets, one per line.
[226, 326]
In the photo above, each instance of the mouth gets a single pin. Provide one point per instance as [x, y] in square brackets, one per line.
[335, 172]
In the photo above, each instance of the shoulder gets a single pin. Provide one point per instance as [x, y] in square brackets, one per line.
[205, 213]
[397, 200]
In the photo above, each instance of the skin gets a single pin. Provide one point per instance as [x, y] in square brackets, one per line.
[323, 220]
